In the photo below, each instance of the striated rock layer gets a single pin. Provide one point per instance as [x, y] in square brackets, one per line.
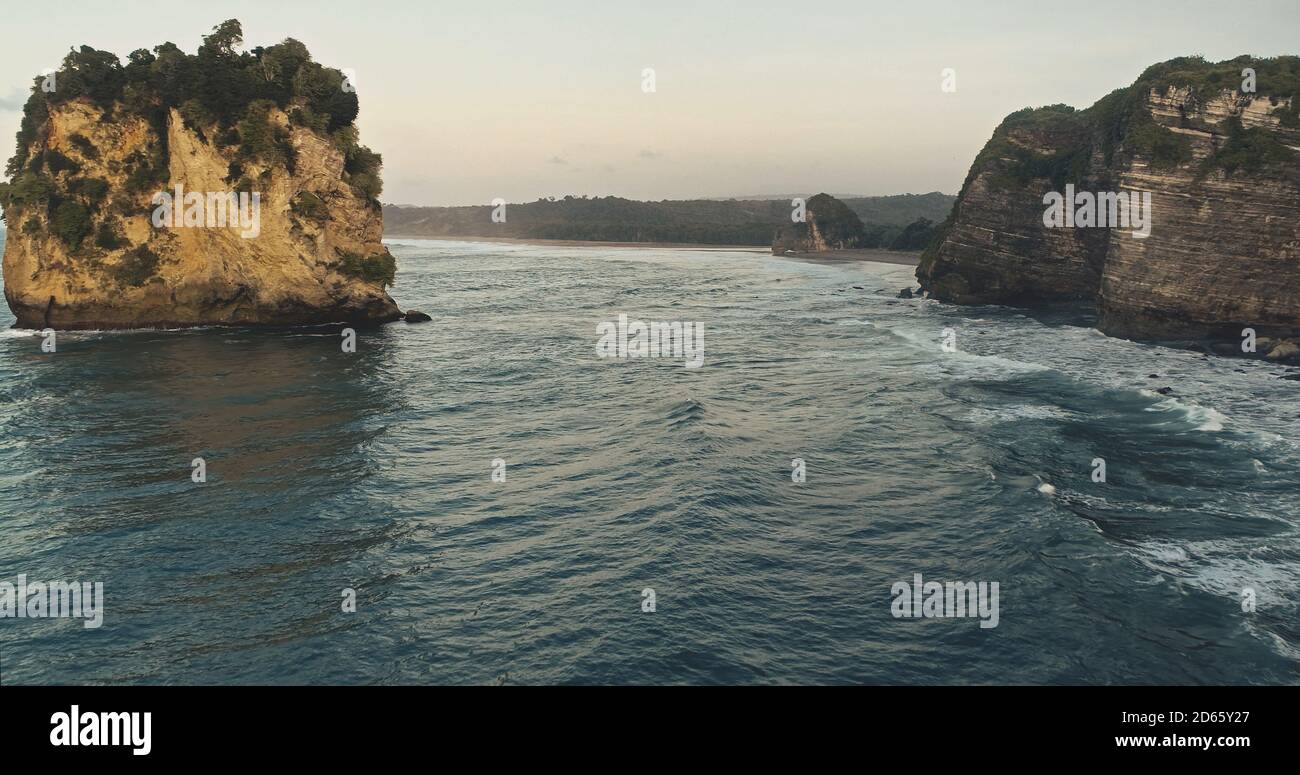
[1223, 171]
[83, 250]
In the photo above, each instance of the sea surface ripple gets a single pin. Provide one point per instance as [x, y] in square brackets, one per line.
[372, 471]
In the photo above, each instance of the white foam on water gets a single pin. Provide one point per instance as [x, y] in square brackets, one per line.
[993, 416]
[1205, 418]
[972, 364]
[1225, 566]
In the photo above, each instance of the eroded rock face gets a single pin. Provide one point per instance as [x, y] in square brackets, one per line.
[1224, 250]
[996, 250]
[85, 255]
[1223, 171]
[286, 275]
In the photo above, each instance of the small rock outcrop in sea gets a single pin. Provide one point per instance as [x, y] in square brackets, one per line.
[1222, 166]
[223, 188]
[416, 316]
[1284, 350]
[828, 224]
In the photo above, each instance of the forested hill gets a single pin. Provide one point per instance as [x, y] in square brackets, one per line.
[614, 219]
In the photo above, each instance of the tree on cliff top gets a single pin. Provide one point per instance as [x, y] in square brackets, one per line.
[219, 85]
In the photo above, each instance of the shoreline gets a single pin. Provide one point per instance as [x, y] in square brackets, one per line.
[829, 257]
[575, 243]
[856, 255]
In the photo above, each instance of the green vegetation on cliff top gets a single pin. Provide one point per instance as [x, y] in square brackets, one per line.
[1277, 78]
[221, 93]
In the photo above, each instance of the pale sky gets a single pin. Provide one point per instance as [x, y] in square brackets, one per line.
[468, 101]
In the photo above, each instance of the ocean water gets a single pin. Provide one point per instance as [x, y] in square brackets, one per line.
[372, 472]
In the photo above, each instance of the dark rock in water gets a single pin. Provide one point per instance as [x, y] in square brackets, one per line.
[906, 293]
[1164, 391]
[416, 316]
[1153, 376]
[1295, 376]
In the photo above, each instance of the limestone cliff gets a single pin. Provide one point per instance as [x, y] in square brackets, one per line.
[102, 146]
[828, 224]
[1222, 166]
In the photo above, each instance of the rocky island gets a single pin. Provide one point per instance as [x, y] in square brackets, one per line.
[1216, 146]
[219, 188]
[828, 229]
[827, 224]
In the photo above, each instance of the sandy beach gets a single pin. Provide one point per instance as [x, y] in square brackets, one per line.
[570, 243]
[851, 256]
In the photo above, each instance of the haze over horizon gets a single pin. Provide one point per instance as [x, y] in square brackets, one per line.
[471, 103]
